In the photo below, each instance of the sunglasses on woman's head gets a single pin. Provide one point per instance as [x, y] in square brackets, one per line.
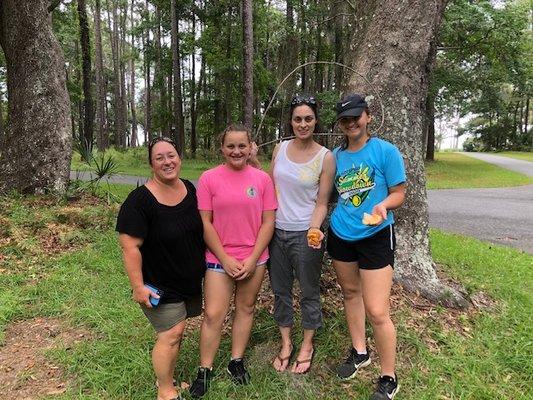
[303, 100]
[161, 139]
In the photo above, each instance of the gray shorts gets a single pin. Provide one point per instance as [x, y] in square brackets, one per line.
[166, 315]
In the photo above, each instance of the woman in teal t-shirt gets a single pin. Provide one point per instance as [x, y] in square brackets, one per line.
[370, 179]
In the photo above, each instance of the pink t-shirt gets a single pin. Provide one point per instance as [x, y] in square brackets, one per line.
[237, 199]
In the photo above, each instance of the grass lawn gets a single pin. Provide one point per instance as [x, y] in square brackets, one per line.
[449, 170]
[61, 259]
[519, 155]
[453, 170]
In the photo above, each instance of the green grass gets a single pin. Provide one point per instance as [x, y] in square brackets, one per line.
[487, 357]
[135, 162]
[453, 170]
[519, 155]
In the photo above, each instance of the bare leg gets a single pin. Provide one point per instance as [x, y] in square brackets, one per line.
[218, 289]
[281, 362]
[376, 286]
[245, 298]
[164, 357]
[350, 281]
[305, 354]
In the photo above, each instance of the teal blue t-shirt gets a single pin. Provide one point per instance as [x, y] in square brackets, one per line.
[363, 179]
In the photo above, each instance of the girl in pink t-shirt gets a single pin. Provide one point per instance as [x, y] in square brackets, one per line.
[237, 204]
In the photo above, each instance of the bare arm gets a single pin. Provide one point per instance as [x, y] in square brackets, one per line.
[325, 187]
[131, 254]
[230, 264]
[263, 238]
[273, 161]
[394, 200]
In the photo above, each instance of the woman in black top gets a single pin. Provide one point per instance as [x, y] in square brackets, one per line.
[161, 236]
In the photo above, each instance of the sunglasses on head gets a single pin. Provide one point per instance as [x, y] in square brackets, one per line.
[161, 139]
[303, 100]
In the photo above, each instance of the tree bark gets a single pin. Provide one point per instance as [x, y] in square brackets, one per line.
[193, 90]
[248, 61]
[134, 139]
[120, 117]
[176, 79]
[147, 80]
[102, 137]
[36, 149]
[88, 112]
[395, 58]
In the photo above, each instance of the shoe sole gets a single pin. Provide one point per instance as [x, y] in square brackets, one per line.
[395, 392]
[363, 364]
[236, 381]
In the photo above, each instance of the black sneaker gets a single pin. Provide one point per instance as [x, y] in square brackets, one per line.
[351, 365]
[386, 388]
[238, 372]
[201, 383]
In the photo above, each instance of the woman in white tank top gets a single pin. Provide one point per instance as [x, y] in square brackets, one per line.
[303, 172]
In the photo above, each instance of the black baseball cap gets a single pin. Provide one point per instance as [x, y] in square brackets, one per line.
[352, 105]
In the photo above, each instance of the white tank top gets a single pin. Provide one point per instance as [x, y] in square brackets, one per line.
[296, 188]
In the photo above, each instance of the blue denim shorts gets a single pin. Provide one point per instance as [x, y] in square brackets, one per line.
[218, 267]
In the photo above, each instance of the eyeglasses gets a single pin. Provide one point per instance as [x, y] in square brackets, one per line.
[303, 100]
[161, 139]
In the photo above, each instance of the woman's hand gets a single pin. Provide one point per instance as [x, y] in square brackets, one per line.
[314, 238]
[141, 294]
[248, 269]
[380, 210]
[232, 266]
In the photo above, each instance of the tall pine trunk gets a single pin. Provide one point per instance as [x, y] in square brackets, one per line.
[88, 112]
[134, 139]
[176, 79]
[395, 57]
[36, 149]
[102, 138]
[248, 62]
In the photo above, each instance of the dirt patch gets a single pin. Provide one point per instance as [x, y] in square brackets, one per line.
[25, 373]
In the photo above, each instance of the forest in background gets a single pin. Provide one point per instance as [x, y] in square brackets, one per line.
[135, 69]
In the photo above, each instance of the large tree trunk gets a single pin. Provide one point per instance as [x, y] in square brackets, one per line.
[395, 58]
[248, 62]
[88, 113]
[102, 138]
[176, 75]
[36, 150]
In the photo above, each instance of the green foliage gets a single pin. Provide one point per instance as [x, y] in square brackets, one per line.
[485, 70]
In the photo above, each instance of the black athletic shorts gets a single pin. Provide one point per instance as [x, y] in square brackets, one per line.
[373, 252]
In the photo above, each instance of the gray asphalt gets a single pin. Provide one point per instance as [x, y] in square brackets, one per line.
[501, 215]
[521, 166]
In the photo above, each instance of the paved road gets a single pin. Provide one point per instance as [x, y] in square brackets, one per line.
[502, 215]
[521, 166]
